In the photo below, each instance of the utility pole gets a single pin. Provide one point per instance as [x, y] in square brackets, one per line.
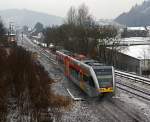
[10, 31]
[22, 37]
[17, 32]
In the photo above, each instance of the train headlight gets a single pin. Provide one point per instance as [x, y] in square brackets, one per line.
[110, 89]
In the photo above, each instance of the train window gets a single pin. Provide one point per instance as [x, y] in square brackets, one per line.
[103, 71]
[74, 73]
[107, 82]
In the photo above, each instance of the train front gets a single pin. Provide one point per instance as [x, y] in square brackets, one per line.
[105, 79]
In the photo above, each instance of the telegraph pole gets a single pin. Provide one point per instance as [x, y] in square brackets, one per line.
[10, 31]
[22, 37]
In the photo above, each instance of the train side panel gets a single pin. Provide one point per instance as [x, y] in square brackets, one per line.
[92, 81]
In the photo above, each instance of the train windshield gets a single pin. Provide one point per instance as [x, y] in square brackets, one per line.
[104, 77]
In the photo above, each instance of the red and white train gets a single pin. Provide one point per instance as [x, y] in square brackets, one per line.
[92, 77]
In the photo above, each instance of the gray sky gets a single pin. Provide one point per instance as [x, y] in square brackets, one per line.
[100, 9]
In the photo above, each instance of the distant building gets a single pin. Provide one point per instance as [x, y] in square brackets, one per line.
[123, 62]
[11, 40]
[135, 32]
[140, 52]
[128, 63]
[39, 37]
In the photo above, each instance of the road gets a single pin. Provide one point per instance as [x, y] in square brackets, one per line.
[122, 108]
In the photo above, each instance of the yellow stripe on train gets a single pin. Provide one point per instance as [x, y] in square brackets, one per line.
[105, 89]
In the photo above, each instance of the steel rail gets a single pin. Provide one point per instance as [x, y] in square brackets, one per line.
[119, 73]
[133, 77]
[133, 91]
[137, 89]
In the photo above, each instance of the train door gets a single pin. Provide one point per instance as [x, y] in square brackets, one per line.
[82, 83]
[90, 86]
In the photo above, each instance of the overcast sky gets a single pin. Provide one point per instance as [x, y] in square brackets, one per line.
[100, 9]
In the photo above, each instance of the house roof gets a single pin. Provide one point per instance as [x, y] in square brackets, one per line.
[136, 28]
[138, 51]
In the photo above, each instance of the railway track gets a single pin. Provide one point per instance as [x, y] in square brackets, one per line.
[134, 90]
[48, 57]
[93, 110]
[130, 88]
[133, 77]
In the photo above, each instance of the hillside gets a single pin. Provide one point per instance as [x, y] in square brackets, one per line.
[103, 22]
[23, 17]
[139, 15]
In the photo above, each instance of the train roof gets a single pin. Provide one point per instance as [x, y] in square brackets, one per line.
[93, 63]
[86, 61]
[66, 52]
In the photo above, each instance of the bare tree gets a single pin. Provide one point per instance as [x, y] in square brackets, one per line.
[38, 27]
[108, 44]
[71, 16]
[3, 38]
[83, 15]
[80, 25]
[81, 34]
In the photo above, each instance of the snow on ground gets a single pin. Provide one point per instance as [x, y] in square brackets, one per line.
[136, 28]
[124, 107]
[142, 106]
[136, 39]
[138, 51]
[91, 110]
[134, 101]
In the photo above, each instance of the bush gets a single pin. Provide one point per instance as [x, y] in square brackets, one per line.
[27, 81]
